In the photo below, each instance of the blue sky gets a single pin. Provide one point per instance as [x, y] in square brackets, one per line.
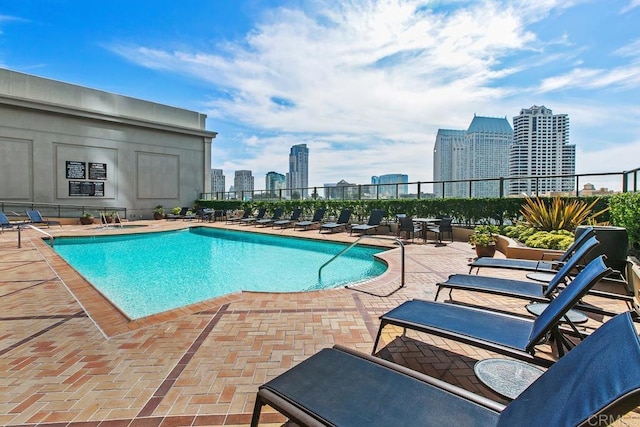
[365, 84]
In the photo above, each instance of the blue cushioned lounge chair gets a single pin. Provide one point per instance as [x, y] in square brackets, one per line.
[277, 213]
[4, 222]
[376, 217]
[36, 218]
[341, 222]
[295, 216]
[500, 332]
[548, 266]
[534, 291]
[252, 219]
[317, 217]
[595, 384]
[245, 214]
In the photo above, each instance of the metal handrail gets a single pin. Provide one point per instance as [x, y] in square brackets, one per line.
[51, 239]
[371, 236]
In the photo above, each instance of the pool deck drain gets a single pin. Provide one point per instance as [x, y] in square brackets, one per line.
[69, 358]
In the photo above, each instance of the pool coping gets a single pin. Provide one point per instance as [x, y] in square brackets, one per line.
[112, 321]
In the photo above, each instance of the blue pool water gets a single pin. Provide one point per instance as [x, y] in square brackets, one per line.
[149, 273]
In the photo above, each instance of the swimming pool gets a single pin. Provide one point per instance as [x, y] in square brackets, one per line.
[149, 273]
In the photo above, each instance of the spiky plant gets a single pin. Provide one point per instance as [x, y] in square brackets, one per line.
[560, 214]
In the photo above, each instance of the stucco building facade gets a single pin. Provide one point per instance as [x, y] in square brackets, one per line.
[63, 144]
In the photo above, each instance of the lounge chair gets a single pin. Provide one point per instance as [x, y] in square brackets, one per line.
[245, 214]
[283, 223]
[533, 291]
[277, 213]
[496, 331]
[252, 219]
[597, 383]
[35, 217]
[547, 266]
[443, 227]
[183, 214]
[4, 222]
[317, 217]
[374, 222]
[341, 222]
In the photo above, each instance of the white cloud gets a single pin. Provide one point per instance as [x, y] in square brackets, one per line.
[632, 5]
[380, 77]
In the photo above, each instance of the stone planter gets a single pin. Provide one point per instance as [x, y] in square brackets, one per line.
[86, 220]
[486, 251]
[614, 243]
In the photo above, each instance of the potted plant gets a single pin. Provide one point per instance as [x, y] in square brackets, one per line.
[484, 240]
[158, 212]
[86, 218]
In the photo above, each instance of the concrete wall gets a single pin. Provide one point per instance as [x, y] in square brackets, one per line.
[153, 154]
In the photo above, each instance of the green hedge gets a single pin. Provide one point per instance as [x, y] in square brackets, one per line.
[467, 212]
[625, 212]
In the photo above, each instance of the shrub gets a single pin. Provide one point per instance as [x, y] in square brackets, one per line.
[625, 212]
[560, 214]
[557, 239]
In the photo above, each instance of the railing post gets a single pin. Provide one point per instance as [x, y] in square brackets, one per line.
[419, 191]
[501, 192]
[625, 182]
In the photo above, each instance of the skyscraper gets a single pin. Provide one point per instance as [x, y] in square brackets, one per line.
[217, 182]
[448, 141]
[298, 176]
[274, 182]
[480, 152]
[387, 185]
[243, 184]
[541, 147]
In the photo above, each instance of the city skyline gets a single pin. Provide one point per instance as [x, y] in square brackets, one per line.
[365, 84]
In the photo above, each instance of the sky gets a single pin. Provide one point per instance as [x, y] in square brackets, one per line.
[365, 84]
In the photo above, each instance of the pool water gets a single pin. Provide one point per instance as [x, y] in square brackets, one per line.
[149, 273]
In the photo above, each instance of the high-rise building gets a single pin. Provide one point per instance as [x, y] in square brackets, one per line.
[480, 152]
[274, 182]
[448, 141]
[541, 147]
[243, 184]
[391, 186]
[217, 183]
[298, 176]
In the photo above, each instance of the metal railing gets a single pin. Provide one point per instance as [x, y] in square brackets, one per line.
[21, 226]
[370, 236]
[57, 210]
[625, 181]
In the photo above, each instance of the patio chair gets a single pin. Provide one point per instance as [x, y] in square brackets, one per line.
[597, 382]
[533, 291]
[407, 226]
[35, 217]
[245, 214]
[252, 219]
[341, 222]
[496, 331]
[376, 217]
[277, 213]
[283, 223]
[443, 227]
[317, 217]
[548, 266]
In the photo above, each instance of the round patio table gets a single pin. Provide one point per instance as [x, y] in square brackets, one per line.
[506, 377]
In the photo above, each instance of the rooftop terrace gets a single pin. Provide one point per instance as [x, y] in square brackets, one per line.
[69, 358]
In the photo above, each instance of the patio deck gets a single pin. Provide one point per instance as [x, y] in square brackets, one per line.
[69, 358]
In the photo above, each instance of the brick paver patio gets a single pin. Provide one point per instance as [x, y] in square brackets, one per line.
[68, 358]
